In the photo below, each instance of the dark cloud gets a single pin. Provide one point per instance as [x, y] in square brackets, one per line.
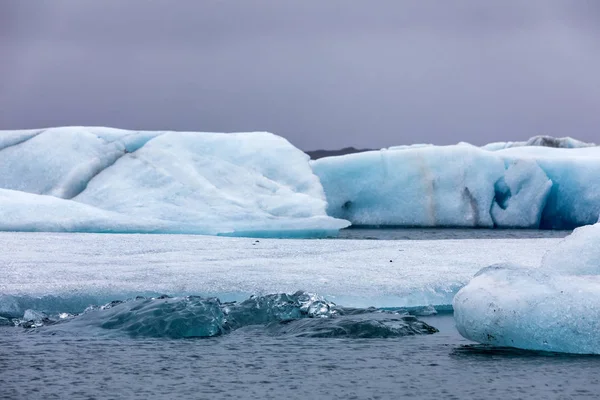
[321, 73]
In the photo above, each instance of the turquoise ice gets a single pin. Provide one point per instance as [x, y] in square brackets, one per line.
[464, 186]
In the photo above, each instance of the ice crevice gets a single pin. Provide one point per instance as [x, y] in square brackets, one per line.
[17, 137]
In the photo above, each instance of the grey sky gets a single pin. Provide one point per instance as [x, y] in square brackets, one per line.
[323, 73]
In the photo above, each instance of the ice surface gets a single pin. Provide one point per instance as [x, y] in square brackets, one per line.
[574, 199]
[422, 186]
[555, 307]
[579, 254]
[464, 186]
[66, 272]
[22, 211]
[110, 180]
[543, 141]
[521, 195]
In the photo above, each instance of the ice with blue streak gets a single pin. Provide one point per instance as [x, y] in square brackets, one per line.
[464, 186]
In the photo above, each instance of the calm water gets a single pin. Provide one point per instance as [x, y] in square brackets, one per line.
[250, 364]
[445, 234]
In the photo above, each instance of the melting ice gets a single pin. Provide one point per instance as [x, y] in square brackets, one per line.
[555, 307]
[194, 316]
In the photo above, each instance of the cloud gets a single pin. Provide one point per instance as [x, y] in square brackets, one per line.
[323, 74]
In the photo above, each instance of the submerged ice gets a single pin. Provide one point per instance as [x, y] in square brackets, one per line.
[555, 307]
[110, 180]
[299, 314]
[464, 186]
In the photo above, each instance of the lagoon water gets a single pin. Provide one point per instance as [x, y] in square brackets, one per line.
[54, 271]
[250, 364]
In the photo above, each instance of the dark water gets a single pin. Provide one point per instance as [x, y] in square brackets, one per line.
[248, 363]
[366, 233]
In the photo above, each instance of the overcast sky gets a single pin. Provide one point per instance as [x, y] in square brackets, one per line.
[322, 73]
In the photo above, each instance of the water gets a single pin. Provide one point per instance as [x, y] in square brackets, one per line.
[268, 361]
[447, 234]
[249, 363]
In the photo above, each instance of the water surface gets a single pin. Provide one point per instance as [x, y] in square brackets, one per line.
[250, 364]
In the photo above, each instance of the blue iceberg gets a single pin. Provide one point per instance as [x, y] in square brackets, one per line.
[464, 186]
[555, 307]
[86, 179]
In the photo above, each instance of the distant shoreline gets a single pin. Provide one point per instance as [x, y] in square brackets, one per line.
[316, 154]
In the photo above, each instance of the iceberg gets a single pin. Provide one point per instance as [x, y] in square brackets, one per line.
[555, 307]
[464, 186]
[91, 179]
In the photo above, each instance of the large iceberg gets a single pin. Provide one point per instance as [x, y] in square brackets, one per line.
[111, 180]
[555, 307]
[464, 186]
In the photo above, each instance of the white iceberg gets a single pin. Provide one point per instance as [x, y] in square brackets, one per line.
[464, 186]
[555, 307]
[110, 180]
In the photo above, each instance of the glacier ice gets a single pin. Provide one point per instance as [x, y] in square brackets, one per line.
[464, 186]
[521, 195]
[89, 179]
[579, 254]
[423, 186]
[555, 307]
[542, 140]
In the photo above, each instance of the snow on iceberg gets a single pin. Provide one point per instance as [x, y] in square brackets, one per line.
[543, 141]
[555, 307]
[464, 186]
[111, 180]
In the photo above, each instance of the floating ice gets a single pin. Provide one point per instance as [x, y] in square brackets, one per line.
[553, 308]
[464, 186]
[66, 272]
[193, 316]
[110, 180]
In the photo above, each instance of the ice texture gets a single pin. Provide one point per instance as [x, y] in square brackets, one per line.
[88, 179]
[194, 316]
[66, 272]
[543, 141]
[555, 307]
[464, 186]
